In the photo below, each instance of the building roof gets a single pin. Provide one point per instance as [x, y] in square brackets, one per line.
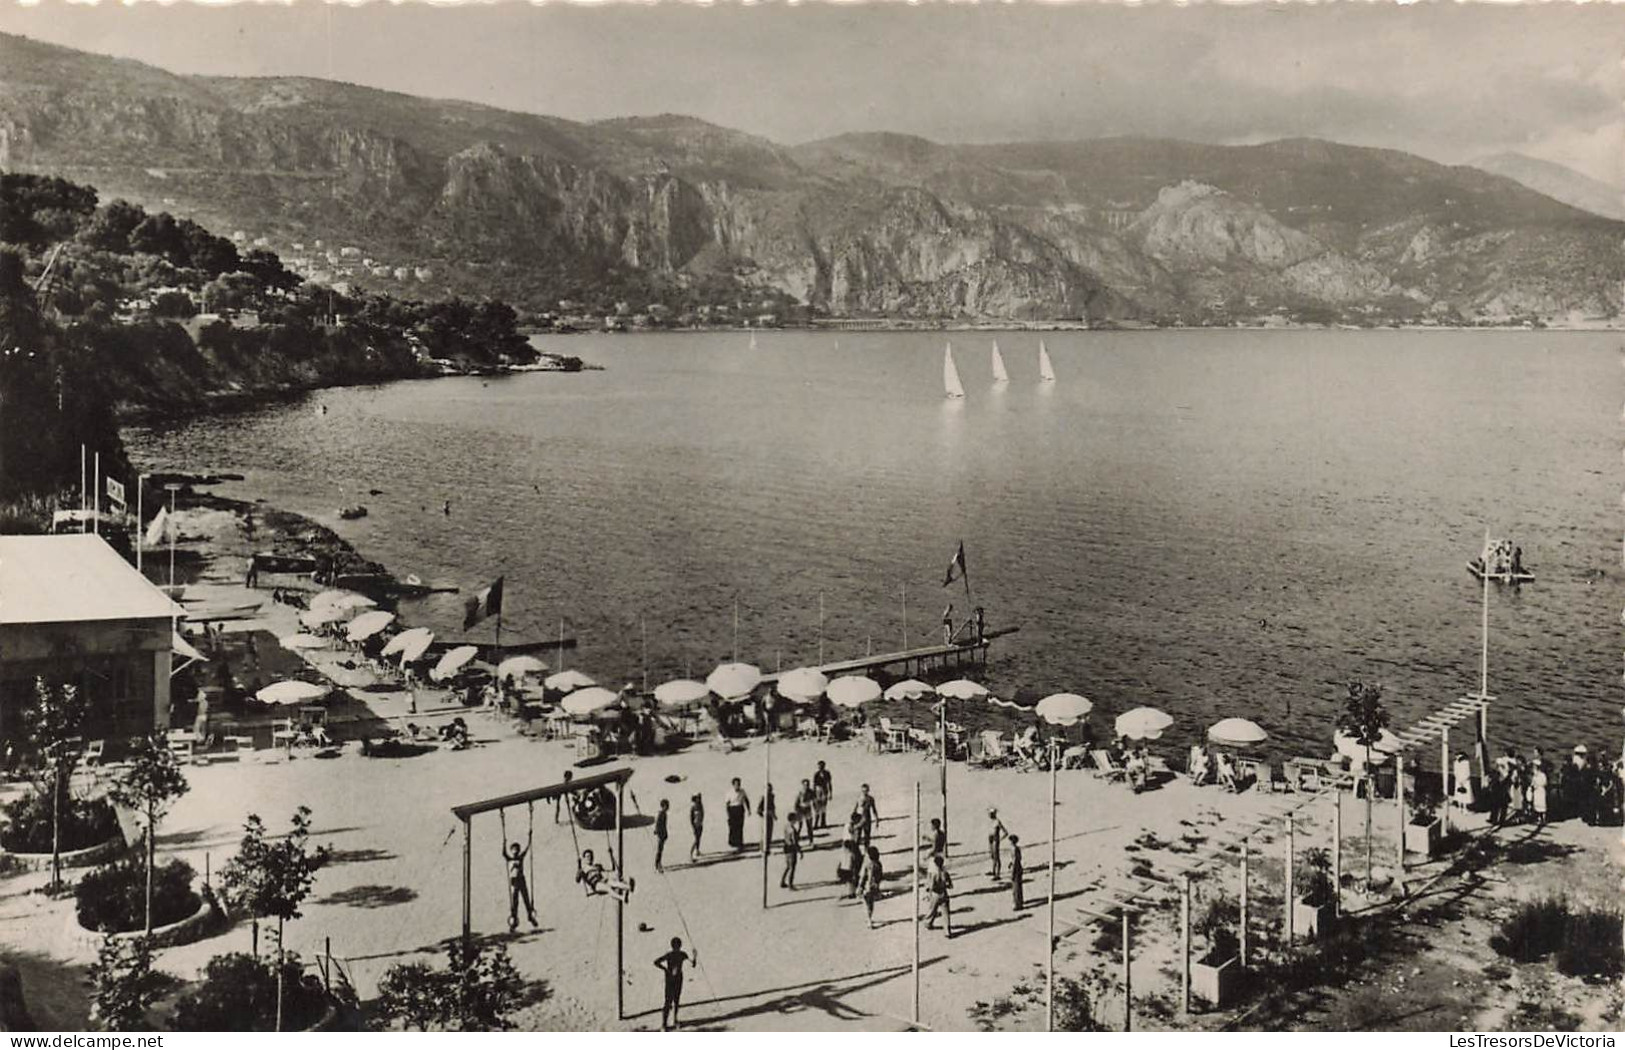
[65, 579]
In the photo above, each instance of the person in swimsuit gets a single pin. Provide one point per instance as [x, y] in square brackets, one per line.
[671, 964]
[518, 888]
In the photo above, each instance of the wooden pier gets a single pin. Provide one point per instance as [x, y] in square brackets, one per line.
[915, 662]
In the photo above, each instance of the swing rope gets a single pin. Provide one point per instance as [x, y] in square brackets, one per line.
[677, 906]
[530, 840]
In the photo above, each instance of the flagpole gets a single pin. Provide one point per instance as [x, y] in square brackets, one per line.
[83, 492]
[736, 630]
[643, 630]
[820, 628]
[140, 529]
[905, 616]
[96, 494]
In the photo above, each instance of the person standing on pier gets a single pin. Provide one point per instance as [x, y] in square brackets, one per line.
[804, 808]
[1016, 872]
[661, 831]
[696, 821]
[867, 814]
[995, 842]
[948, 625]
[823, 788]
[738, 806]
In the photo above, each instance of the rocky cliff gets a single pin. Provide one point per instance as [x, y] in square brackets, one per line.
[536, 208]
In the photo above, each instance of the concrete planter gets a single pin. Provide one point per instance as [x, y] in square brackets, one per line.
[1216, 983]
[1309, 922]
[88, 857]
[1422, 839]
[193, 928]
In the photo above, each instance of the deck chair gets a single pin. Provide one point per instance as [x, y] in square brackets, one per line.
[1106, 766]
[1305, 774]
[896, 739]
[1278, 778]
[993, 753]
[95, 752]
[282, 732]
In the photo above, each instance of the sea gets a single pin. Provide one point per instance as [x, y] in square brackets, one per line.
[1215, 523]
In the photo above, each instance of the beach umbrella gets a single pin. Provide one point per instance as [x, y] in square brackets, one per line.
[733, 681]
[1063, 709]
[410, 644]
[368, 624]
[590, 699]
[1236, 732]
[302, 641]
[567, 681]
[680, 692]
[962, 689]
[853, 691]
[453, 661]
[803, 685]
[344, 601]
[1142, 723]
[291, 692]
[321, 617]
[519, 666]
[907, 689]
[1348, 744]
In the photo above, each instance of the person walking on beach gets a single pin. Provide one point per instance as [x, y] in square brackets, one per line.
[696, 821]
[938, 883]
[939, 839]
[869, 882]
[995, 843]
[671, 964]
[1016, 872]
[737, 806]
[852, 846]
[518, 889]
[661, 831]
[804, 808]
[767, 808]
[823, 787]
[867, 812]
[792, 850]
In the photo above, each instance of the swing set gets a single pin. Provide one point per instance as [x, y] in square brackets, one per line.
[616, 886]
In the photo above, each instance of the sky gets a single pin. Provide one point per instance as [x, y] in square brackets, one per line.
[1452, 82]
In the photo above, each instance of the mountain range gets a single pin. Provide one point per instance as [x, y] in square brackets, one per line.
[450, 196]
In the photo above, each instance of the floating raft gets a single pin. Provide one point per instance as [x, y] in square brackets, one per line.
[1476, 567]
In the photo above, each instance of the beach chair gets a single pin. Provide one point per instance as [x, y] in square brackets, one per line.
[95, 752]
[1106, 766]
[1278, 779]
[1305, 774]
[993, 752]
[1075, 757]
[182, 747]
[282, 732]
[238, 745]
[895, 738]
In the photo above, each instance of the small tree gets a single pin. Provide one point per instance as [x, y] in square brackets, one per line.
[476, 991]
[149, 784]
[124, 982]
[1319, 890]
[1364, 718]
[271, 879]
[1217, 927]
[53, 721]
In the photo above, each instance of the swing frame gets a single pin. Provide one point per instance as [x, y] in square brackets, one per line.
[469, 810]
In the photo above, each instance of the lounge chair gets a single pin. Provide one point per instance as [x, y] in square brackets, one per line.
[1278, 778]
[895, 738]
[993, 750]
[282, 732]
[1106, 766]
[1075, 757]
[95, 752]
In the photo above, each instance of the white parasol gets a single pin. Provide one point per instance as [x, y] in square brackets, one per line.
[291, 692]
[1142, 723]
[1064, 709]
[908, 689]
[302, 641]
[853, 691]
[962, 689]
[733, 681]
[803, 685]
[519, 666]
[587, 700]
[411, 644]
[452, 662]
[1236, 732]
[321, 617]
[680, 693]
[1384, 747]
[368, 624]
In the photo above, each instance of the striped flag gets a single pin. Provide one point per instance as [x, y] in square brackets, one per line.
[485, 602]
[956, 568]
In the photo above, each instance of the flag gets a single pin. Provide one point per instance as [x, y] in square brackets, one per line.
[956, 568]
[485, 602]
[158, 528]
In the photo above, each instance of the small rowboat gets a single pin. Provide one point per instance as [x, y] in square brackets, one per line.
[1476, 567]
[352, 513]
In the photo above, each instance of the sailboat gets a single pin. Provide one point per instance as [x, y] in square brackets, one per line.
[1046, 370]
[999, 374]
[753, 340]
[950, 374]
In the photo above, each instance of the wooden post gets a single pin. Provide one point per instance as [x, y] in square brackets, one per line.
[468, 871]
[942, 743]
[1185, 946]
[1128, 990]
[1337, 851]
[1049, 953]
[620, 901]
[1291, 889]
[1444, 780]
[1399, 797]
[916, 1014]
[1246, 849]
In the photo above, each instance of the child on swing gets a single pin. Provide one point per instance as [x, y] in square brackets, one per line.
[518, 888]
[597, 880]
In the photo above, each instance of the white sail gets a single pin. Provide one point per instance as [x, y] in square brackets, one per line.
[950, 374]
[1046, 371]
[999, 374]
[753, 340]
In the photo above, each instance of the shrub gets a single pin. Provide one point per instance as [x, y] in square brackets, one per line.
[1318, 890]
[1590, 946]
[1074, 1009]
[1533, 931]
[238, 994]
[85, 823]
[1424, 803]
[124, 982]
[476, 991]
[1217, 926]
[113, 897]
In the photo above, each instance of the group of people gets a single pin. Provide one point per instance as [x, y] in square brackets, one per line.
[1219, 768]
[1529, 788]
[1501, 557]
